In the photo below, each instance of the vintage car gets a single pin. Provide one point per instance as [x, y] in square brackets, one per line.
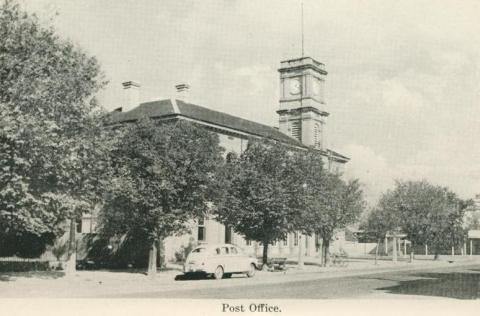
[220, 261]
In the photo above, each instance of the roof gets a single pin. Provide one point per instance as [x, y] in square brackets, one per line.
[166, 108]
[152, 109]
[337, 156]
[178, 108]
[474, 234]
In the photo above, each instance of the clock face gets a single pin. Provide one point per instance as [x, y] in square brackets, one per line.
[294, 86]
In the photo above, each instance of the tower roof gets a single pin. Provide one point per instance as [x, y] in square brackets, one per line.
[302, 63]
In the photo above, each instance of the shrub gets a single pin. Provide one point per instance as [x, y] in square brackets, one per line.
[25, 245]
[182, 253]
[24, 266]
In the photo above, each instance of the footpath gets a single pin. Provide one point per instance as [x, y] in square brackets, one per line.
[103, 284]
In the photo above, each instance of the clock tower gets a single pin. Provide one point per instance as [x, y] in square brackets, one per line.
[301, 113]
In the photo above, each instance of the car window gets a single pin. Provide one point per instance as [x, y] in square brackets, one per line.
[224, 251]
[233, 250]
[217, 251]
[199, 250]
[240, 250]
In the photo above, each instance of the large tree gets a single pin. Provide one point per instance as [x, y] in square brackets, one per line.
[377, 225]
[161, 179]
[429, 215]
[331, 205]
[261, 191]
[51, 152]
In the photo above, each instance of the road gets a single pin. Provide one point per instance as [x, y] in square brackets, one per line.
[455, 282]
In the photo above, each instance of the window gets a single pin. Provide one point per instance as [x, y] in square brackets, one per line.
[248, 242]
[285, 241]
[295, 239]
[79, 226]
[201, 230]
[318, 242]
[233, 250]
[274, 243]
[296, 130]
[228, 234]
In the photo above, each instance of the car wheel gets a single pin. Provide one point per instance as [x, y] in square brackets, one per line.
[251, 271]
[218, 275]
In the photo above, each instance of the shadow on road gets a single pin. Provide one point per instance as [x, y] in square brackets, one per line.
[190, 277]
[12, 276]
[453, 285]
[203, 276]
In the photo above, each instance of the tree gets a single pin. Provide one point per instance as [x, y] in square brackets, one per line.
[377, 225]
[428, 214]
[472, 217]
[161, 179]
[261, 191]
[332, 204]
[51, 152]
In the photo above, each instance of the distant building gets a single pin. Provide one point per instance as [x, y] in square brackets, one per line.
[302, 120]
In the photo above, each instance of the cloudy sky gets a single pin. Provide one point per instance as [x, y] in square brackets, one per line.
[403, 88]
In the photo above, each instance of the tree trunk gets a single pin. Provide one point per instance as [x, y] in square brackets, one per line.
[325, 248]
[394, 249]
[161, 253]
[72, 251]
[412, 252]
[321, 249]
[300, 251]
[265, 253]
[376, 251]
[265, 256]
[152, 260]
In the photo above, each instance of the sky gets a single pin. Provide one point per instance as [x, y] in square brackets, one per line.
[403, 84]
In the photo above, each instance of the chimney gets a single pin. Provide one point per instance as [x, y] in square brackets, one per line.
[182, 91]
[131, 92]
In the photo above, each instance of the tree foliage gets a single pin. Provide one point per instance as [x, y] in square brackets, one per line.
[332, 204]
[262, 192]
[428, 214]
[161, 179]
[377, 225]
[50, 134]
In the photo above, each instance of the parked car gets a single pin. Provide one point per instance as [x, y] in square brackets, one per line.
[220, 261]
